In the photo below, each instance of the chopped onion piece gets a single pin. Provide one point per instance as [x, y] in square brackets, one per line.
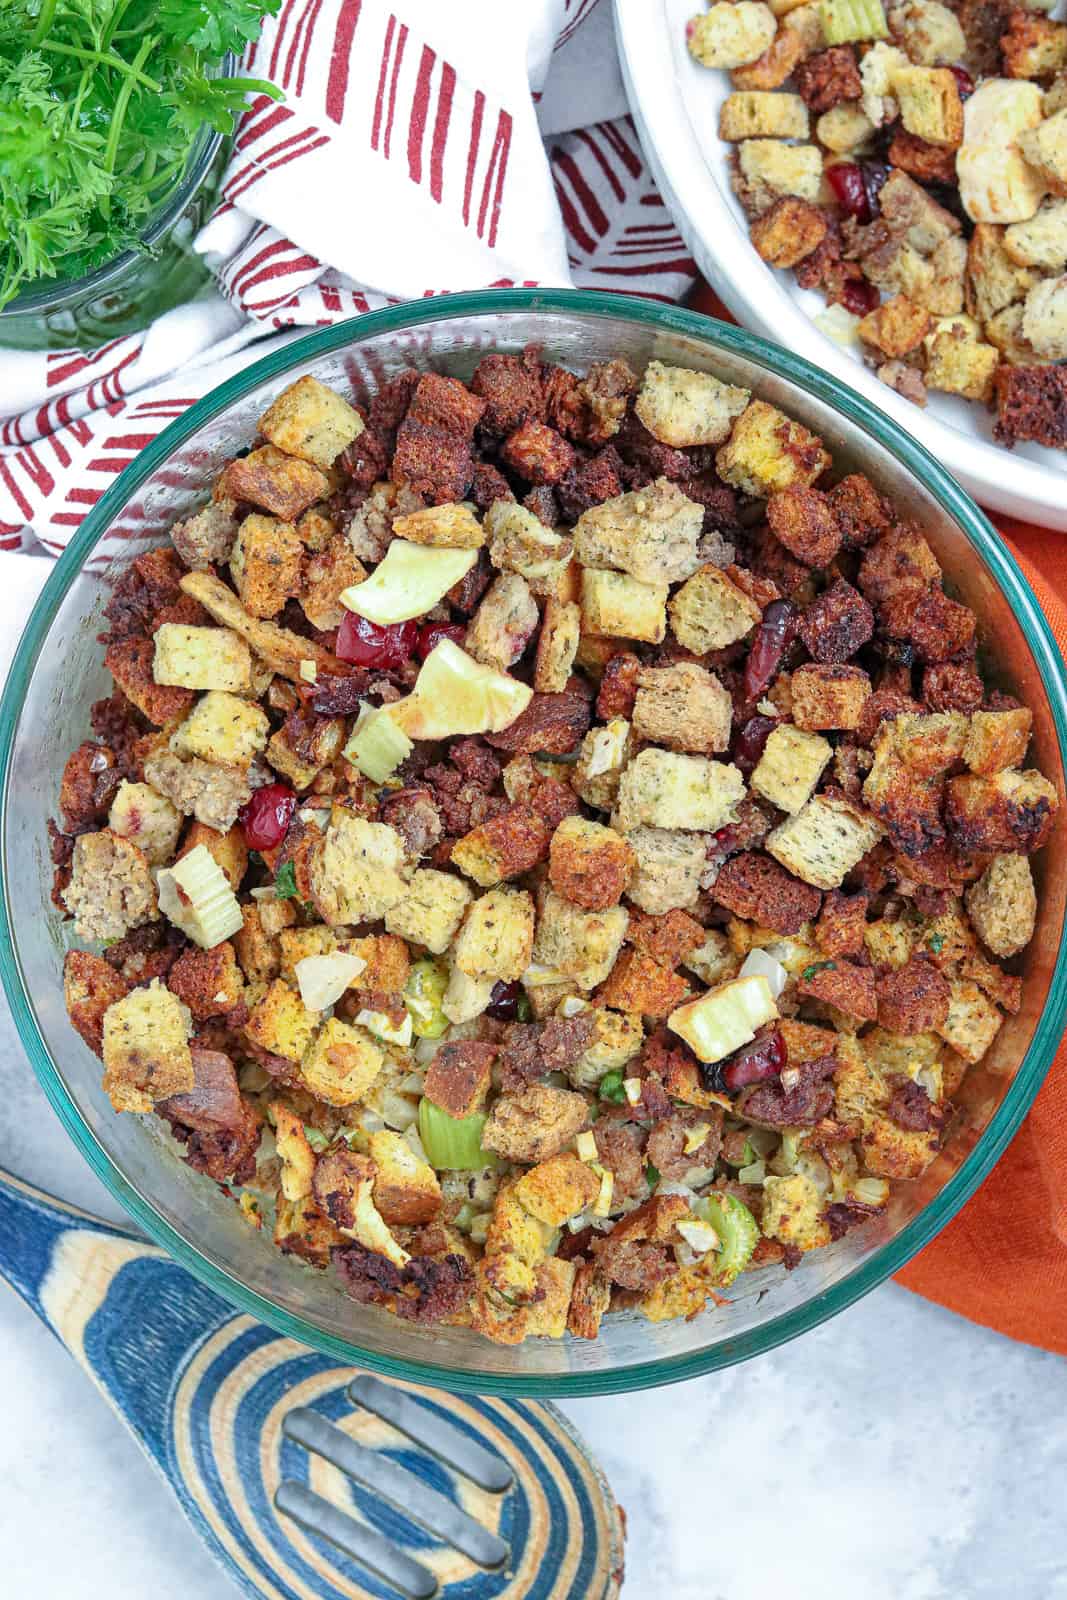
[383, 1027]
[323, 979]
[759, 963]
[699, 1236]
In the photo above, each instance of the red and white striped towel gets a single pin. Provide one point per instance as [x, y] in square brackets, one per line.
[420, 149]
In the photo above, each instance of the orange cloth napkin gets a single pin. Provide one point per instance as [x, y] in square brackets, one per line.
[1002, 1261]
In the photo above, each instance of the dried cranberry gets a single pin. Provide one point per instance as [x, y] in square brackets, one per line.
[763, 1058]
[504, 1001]
[266, 817]
[369, 645]
[859, 297]
[773, 634]
[846, 180]
[964, 81]
[875, 176]
[749, 742]
[431, 633]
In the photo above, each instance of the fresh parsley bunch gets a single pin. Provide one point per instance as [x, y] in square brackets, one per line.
[100, 103]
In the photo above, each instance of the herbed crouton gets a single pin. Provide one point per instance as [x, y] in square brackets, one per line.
[914, 998]
[557, 646]
[146, 819]
[756, 114]
[503, 847]
[430, 910]
[358, 870]
[825, 696]
[803, 520]
[842, 923]
[901, 563]
[824, 841]
[146, 1048]
[1032, 46]
[710, 612]
[406, 1189]
[327, 573]
[497, 936]
[639, 985]
[536, 1124]
[281, 1023]
[731, 35]
[459, 1076]
[1010, 811]
[266, 564]
[589, 864]
[777, 63]
[209, 982]
[111, 889]
[504, 623]
[222, 729]
[791, 1213]
[557, 1189]
[930, 104]
[790, 766]
[972, 1023]
[305, 744]
[340, 1064]
[129, 662]
[788, 231]
[667, 790]
[681, 407]
[603, 754]
[311, 421]
[892, 1152]
[670, 865]
[837, 624]
[1002, 905]
[896, 327]
[770, 168]
[683, 706]
[581, 944]
[997, 739]
[650, 533]
[768, 452]
[90, 986]
[279, 483]
[994, 278]
[622, 607]
[257, 951]
[1038, 243]
[753, 886]
[201, 658]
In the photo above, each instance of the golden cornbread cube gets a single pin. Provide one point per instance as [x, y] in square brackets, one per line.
[454, 526]
[296, 944]
[844, 127]
[928, 743]
[973, 1021]
[257, 951]
[994, 277]
[228, 850]
[341, 1063]
[222, 729]
[327, 574]
[669, 867]
[514, 1247]
[896, 327]
[275, 915]
[768, 169]
[496, 939]
[791, 765]
[668, 790]
[558, 1189]
[788, 231]
[300, 754]
[547, 1313]
[146, 819]
[761, 114]
[406, 1190]
[202, 658]
[431, 910]
[1044, 324]
[359, 871]
[504, 846]
[302, 1229]
[388, 962]
[997, 739]
[731, 35]
[710, 612]
[617, 1038]
[294, 1152]
[281, 1023]
[682, 407]
[266, 564]
[581, 944]
[278, 483]
[824, 696]
[1002, 905]
[90, 986]
[957, 363]
[792, 1212]
[824, 841]
[111, 888]
[503, 624]
[146, 1048]
[768, 452]
[683, 706]
[892, 1152]
[622, 608]
[311, 421]
[930, 104]
[1040, 243]
[713, 961]
[650, 533]
[557, 645]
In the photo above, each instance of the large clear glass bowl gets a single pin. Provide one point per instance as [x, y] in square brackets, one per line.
[58, 673]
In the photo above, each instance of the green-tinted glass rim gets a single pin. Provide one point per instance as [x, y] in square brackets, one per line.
[977, 529]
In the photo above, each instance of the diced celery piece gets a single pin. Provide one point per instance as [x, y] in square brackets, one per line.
[736, 1227]
[195, 895]
[452, 1144]
[852, 20]
[408, 581]
[376, 745]
[424, 993]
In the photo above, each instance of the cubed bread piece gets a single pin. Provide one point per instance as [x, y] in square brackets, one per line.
[1033, 46]
[767, 452]
[281, 1023]
[791, 765]
[257, 942]
[789, 46]
[1002, 905]
[930, 104]
[1044, 324]
[503, 847]
[111, 889]
[558, 1189]
[201, 658]
[129, 662]
[297, 944]
[223, 729]
[650, 533]
[731, 35]
[406, 1189]
[792, 1213]
[892, 1152]
[1040, 243]
[359, 871]
[557, 645]
[621, 607]
[957, 362]
[90, 986]
[316, 527]
[997, 739]
[431, 909]
[267, 564]
[1005, 332]
[683, 706]
[522, 543]
[279, 483]
[824, 696]
[767, 169]
[327, 574]
[757, 114]
[638, 985]
[668, 790]
[710, 612]
[589, 864]
[504, 623]
[496, 939]
[536, 1124]
[311, 421]
[146, 819]
[212, 794]
[227, 849]
[304, 744]
[581, 944]
[146, 1048]
[994, 277]
[669, 867]
[844, 128]
[341, 1063]
[896, 327]
[1032, 404]
[876, 71]
[209, 982]
[824, 841]
[788, 231]
[973, 1022]
[454, 526]
[681, 407]
[929, 32]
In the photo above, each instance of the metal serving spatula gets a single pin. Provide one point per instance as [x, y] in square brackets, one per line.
[308, 1481]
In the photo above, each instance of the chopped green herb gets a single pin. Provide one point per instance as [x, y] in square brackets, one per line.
[611, 1088]
[818, 966]
[936, 943]
[652, 1175]
[285, 881]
